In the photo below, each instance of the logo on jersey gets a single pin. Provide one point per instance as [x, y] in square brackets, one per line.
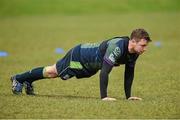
[117, 51]
[112, 58]
[114, 55]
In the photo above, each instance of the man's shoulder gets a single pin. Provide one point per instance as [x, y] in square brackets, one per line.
[121, 37]
[118, 40]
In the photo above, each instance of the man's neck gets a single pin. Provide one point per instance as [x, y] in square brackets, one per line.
[130, 48]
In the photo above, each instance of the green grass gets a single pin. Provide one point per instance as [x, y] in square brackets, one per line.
[74, 7]
[30, 36]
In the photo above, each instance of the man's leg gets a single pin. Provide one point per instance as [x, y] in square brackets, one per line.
[29, 77]
[50, 72]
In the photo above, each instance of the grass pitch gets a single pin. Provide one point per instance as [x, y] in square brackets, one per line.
[31, 31]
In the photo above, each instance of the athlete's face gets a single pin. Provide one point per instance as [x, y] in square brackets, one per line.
[141, 46]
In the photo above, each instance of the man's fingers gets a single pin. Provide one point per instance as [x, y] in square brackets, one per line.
[109, 99]
[134, 98]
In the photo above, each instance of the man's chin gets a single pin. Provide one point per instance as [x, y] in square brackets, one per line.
[139, 53]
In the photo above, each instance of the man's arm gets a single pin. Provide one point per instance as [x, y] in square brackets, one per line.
[128, 79]
[112, 54]
[104, 76]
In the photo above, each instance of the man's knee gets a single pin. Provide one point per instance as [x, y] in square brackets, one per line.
[50, 72]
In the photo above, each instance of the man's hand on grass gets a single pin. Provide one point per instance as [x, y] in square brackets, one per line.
[134, 98]
[108, 99]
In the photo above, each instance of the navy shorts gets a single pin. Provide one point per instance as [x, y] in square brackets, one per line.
[70, 65]
[62, 66]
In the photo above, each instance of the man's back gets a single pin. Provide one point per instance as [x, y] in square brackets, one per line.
[113, 51]
[90, 56]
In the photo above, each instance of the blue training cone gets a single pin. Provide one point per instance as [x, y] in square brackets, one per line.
[59, 51]
[157, 44]
[3, 54]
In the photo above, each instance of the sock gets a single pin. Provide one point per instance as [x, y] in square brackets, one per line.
[31, 76]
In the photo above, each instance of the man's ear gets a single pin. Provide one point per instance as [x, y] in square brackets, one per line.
[133, 41]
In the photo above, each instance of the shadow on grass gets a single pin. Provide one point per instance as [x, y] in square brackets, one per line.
[56, 96]
[66, 97]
